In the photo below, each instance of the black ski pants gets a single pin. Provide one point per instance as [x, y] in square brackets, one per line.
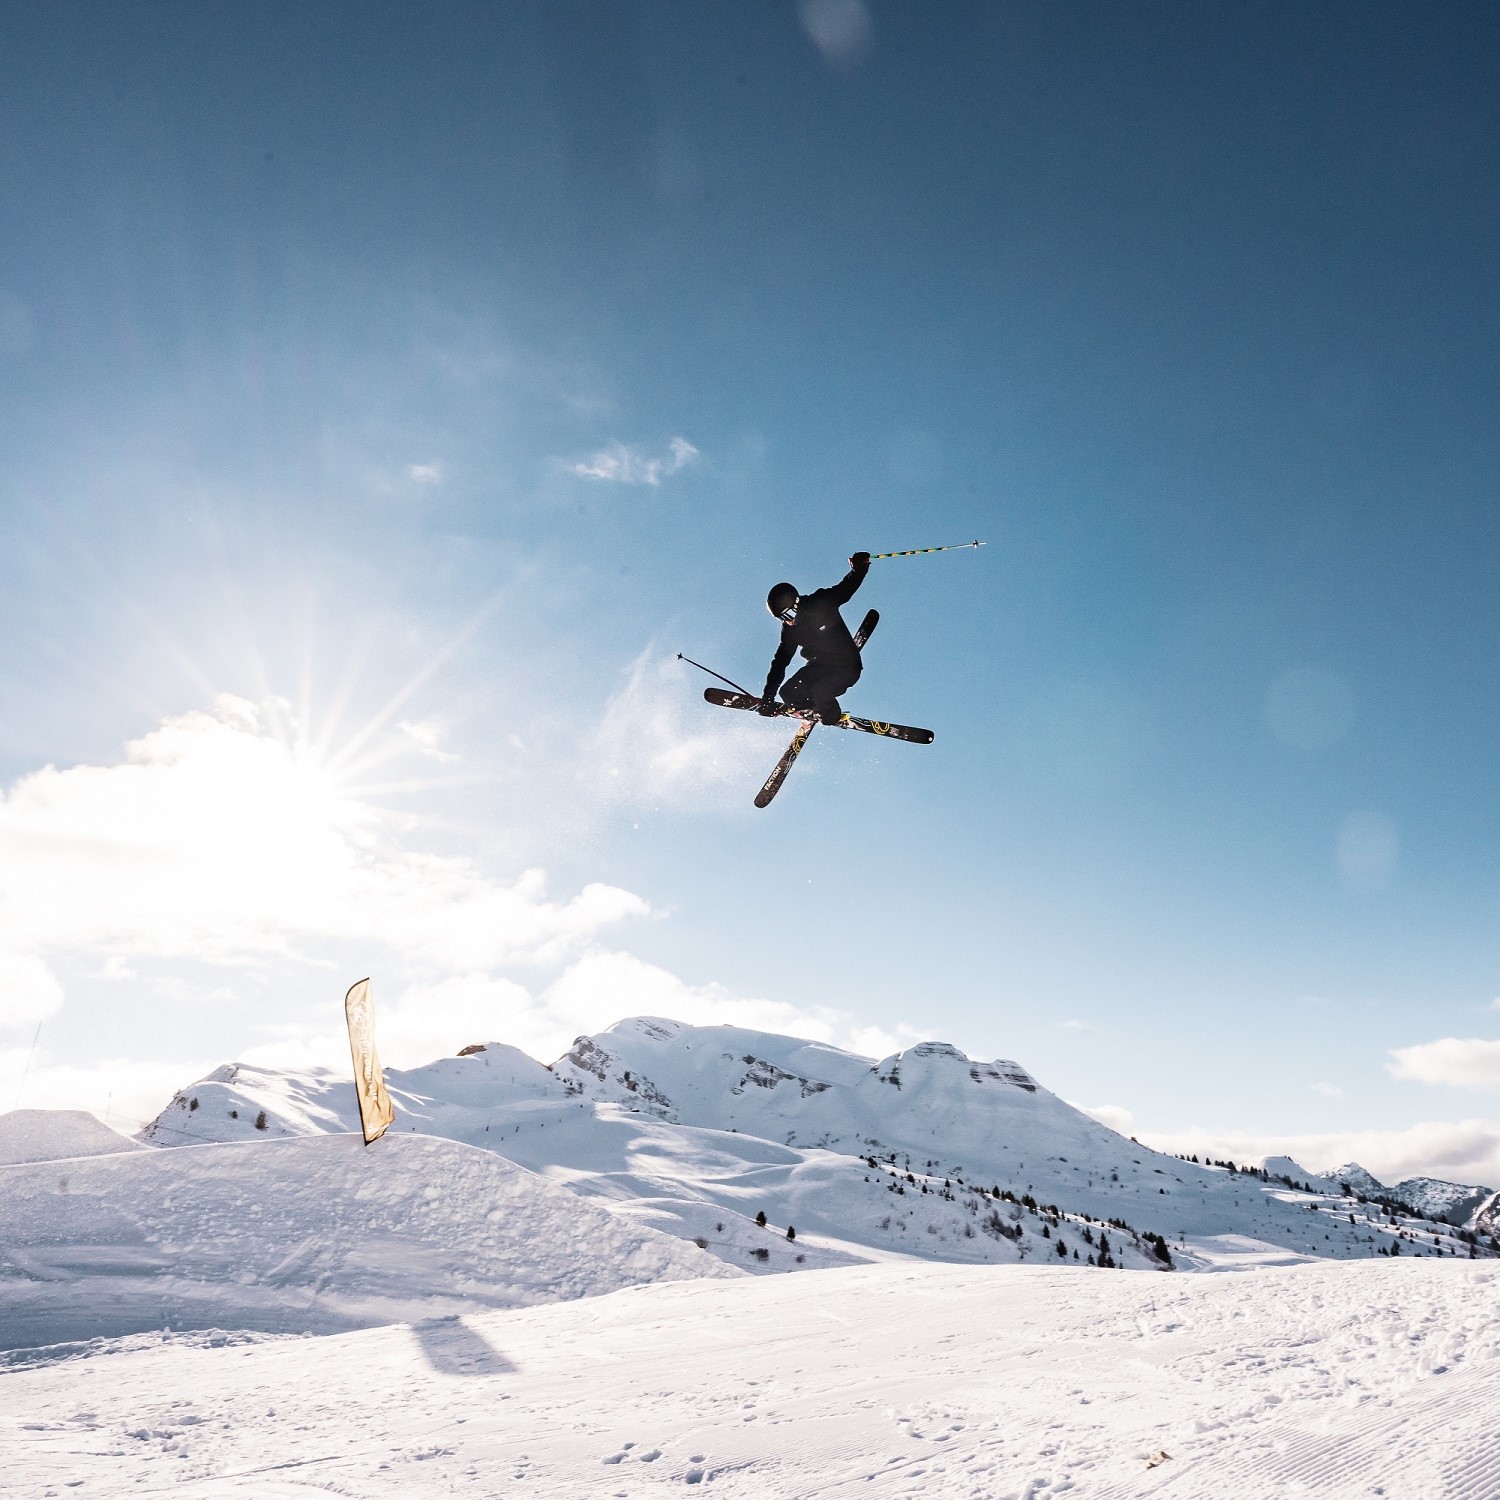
[819, 684]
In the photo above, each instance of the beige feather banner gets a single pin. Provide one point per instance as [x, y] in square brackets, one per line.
[375, 1108]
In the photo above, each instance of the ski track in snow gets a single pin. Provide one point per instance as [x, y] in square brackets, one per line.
[1376, 1378]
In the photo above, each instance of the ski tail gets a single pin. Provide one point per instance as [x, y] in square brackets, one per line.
[908, 732]
[779, 773]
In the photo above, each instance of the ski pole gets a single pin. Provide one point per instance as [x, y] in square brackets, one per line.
[722, 678]
[918, 551]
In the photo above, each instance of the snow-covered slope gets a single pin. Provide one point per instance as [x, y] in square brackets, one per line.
[928, 1153]
[51, 1134]
[988, 1383]
[1486, 1218]
[316, 1234]
[699, 1183]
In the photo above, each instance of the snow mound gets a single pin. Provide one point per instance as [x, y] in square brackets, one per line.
[28, 1135]
[238, 1102]
[318, 1234]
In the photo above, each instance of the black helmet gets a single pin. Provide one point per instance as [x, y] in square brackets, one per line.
[781, 598]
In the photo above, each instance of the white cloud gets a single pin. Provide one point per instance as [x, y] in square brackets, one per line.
[1459, 1062]
[434, 1019]
[1074, 1026]
[628, 465]
[879, 1043]
[425, 473]
[415, 1024]
[218, 841]
[602, 988]
[659, 743]
[123, 1092]
[215, 841]
[1460, 1151]
[29, 991]
[1116, 1116]
[426, 736]
[1328, 1090]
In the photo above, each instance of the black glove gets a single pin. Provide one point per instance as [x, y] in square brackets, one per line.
[769, 707]
[860, 560]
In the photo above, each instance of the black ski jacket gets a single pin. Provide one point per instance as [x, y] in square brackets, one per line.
[819, 630]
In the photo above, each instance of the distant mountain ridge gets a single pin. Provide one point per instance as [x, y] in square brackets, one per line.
[1428, 1197]
[777, 1153]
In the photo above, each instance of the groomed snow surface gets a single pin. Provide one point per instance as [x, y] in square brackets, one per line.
[1366, 1379]
[552, 1282]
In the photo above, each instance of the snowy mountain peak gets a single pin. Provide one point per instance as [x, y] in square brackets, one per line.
[1359, 1180]
[1292, 1170]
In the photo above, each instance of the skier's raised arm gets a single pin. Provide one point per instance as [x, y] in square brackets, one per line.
[843, 590]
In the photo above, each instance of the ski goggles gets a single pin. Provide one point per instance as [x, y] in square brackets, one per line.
[788, 616]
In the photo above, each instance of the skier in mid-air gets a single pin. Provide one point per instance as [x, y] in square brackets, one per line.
[813, 623]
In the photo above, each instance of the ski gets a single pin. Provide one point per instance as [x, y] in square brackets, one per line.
[778, 774]
[908, 732]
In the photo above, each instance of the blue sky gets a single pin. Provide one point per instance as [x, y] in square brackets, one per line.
[315, 320]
